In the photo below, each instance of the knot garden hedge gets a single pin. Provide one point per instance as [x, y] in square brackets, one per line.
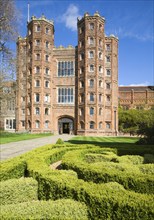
[93, 183]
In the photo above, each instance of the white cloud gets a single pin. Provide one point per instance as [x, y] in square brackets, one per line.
[138, 84]
[70, 17]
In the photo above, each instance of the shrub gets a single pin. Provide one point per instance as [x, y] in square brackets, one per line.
[60, 209]
[18, 190]
[148, 158]
[103, 172]
[104, 200]
[60, 141]
[12, 169]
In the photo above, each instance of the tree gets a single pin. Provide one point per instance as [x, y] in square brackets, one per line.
[8, 34]
[140, 122]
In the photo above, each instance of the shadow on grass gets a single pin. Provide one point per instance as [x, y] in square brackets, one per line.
[123, 148]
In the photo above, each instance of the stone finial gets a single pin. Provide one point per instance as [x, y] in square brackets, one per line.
[86, 14]
[96, 14]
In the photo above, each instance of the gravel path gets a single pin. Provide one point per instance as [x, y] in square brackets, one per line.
[16, 148]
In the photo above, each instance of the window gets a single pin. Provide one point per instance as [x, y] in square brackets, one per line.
[91, 83]
[37, 42]
[108, 86]
[37, 97]
[100, 83]
[38, 28]
[23, 123]
[23, 111]
[37, 124]
[81, 111]
[66, 68]
[81, 84]
[11, 104]
[108, 59]
[100, 125]
[100, 55]
[91, 40]
[38, 56]
[91, 97]
[47, 71]
[100, 97]
[100, 42]
[91, 26]
[10, 124]
[37, 83]
[47, 58]
[91, 54]
[81, 43]
[100, 69]
[81, 30]
[37, 69]
[108, 72]
[82, 98]
[91, 125]
[100, 111]
[108, 98]
[46, 84]
[81, 124]
[46, 111]
[100, 27]
[81, 56]
[65, 95]
[47, 30]
[91, 111]
[46, 125]
[23, 99]
[47, 98]
[81, 70]
[37, 111]
[91, 68]
[47, 44]
[108, 47]
[108, 125]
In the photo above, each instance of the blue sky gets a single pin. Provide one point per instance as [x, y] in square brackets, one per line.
[132, 21]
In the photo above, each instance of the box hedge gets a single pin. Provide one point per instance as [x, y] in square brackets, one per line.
[60, 209]
[18, 190]
[101, 199]
[12, 169]
[132, 179]
[104, 200]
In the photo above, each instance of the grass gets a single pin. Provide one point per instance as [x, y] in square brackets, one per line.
[122, 144]
[6, 137]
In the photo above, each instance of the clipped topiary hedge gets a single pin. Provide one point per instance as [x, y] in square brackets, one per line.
[104, 200]
[60, 209]
[18, 190]
[12, 169]
[130, 176]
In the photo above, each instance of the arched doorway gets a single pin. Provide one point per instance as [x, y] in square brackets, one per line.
[65, 125]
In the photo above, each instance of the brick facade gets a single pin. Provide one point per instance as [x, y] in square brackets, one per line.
[69, 90]
[139, 97]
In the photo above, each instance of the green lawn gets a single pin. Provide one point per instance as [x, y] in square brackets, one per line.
[124, 145]
[6, 137]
